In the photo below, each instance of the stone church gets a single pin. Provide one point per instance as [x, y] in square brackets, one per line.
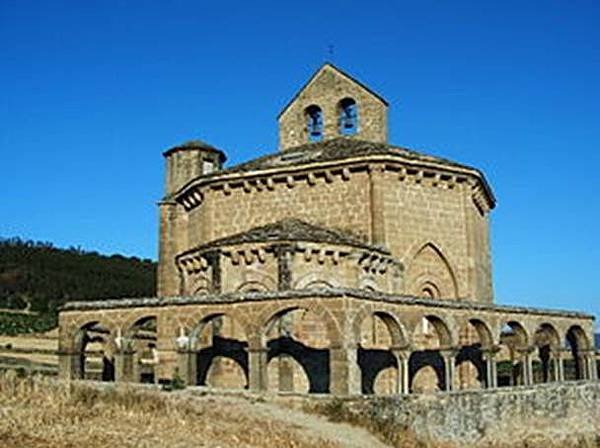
[338, 264]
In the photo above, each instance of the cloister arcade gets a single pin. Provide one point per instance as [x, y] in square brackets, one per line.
[344, 342]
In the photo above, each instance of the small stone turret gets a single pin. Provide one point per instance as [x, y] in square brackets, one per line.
[188, 161]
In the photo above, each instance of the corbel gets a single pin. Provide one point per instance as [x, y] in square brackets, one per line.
[346, 173]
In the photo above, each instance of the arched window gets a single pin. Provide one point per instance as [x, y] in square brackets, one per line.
[348, 111]
[314, 123]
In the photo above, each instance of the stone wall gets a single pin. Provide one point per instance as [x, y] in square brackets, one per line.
[553, 415]
[340, 204]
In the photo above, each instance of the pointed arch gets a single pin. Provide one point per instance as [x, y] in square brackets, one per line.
[430, 273]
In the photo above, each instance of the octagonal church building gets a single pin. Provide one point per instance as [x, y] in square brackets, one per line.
[339, 264]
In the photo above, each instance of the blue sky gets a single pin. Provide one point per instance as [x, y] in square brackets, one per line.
[94, 91]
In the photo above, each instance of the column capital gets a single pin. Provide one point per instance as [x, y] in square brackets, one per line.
[526, 350]
[257, 349]
[401, 350]
[448, 352]
[491, 351]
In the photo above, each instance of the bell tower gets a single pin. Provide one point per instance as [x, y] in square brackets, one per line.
[332, 104]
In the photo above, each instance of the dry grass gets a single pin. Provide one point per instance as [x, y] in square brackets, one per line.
[42, 412]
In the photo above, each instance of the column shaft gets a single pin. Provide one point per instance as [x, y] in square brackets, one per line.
[257, 365]
[344, 371]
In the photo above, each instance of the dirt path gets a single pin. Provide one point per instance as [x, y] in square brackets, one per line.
[312, 426]
[342, 433]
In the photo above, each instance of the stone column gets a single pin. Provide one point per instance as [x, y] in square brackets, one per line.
[529, 370]
[449, 356]
[344, 371]
[402, 356]
[124, 365]
[557, 362]
[527, 365]
[187, 366]
[490, 369]
[257, 366]
[592, 372]
[69, 365]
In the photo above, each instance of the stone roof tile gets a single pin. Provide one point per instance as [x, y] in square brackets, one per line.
[290, 229]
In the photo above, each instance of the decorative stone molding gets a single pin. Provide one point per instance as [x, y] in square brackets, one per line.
[268, 180]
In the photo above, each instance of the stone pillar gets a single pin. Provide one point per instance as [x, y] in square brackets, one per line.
[529, 370]
[557, 363]
[449, 356]
[592, 372]
[187, 366]
[124, 366]
[344, 371]
[490, 369]
[527, 365]
[70, 365]
[257, 369]
[402, 356]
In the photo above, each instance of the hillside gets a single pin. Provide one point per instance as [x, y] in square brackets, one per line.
[36, 278]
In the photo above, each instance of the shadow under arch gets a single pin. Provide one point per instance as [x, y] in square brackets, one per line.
[423, 359]
[375, 356]
[282, 335]
[314, 361]
[475, 337]
[216, 337]
[430, 352]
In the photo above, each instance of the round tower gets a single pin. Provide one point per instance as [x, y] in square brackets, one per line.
[188, 161]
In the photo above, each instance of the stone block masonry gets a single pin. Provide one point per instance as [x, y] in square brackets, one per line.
[553, 415]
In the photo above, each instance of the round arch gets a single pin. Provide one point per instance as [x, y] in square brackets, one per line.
[396, 329]
[304, 332]
[217, 350]
[577, 342]
[442, 329]
[275, 311]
